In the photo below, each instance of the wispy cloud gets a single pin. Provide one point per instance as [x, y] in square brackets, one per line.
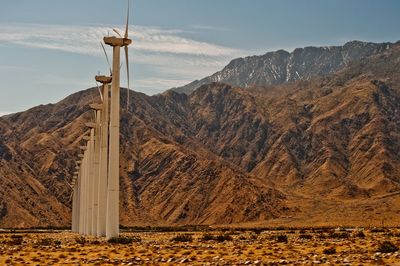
[85, 39]
[174, 57]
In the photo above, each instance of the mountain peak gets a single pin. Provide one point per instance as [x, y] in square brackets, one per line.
[281, 66]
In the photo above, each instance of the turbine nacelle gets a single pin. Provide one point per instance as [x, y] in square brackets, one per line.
[103, 79]
[115, 41]
[96, 106]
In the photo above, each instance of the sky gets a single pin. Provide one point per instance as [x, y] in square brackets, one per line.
[50, 49]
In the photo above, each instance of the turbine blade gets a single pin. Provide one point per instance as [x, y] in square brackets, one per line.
[101, 94]
[117, 32]
[127, 22]
[127, 75]
[105, 53]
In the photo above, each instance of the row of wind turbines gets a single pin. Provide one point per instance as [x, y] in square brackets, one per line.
[95, 199]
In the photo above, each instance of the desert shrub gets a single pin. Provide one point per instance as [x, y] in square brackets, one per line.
[136, 239]
[360, 234]
[387, 247]
[340, 235]
[223, 238]
[46, 242]
[329, 251]
[242, 237]
[80, 240]
[16, 240]
[124, 239]
[281, 238]
[257, 230]
[322, 236]
[377, 230]
[207, 237]
[324, 230]
[253, 236]
[183, 238]
[305, 236]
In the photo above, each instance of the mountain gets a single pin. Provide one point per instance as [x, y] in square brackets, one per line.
[24, 200]
[163, 182]
[281, 66]
[322, 151]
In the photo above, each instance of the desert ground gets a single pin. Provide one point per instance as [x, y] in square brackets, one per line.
[357, 246]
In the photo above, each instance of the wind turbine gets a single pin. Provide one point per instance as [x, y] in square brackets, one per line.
[90, 178]
[79, 216]
[83, 228]
[96, 165]
[112, 227]
[103, 164]
[76, 198]
[74, 204]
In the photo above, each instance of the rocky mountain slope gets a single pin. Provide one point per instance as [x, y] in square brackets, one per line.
[299, 153]
[281, 66]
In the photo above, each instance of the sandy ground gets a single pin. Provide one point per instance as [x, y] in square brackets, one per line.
[251, 247]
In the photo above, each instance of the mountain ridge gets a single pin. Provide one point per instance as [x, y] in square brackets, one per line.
[282, 66]
[295, 154]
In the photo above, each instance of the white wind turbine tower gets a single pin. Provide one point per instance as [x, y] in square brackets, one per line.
[112, 228]
[103, 153]
[76, 198]
[75, 203]
[84, 176]
[80, 196]
[90, 178]
[96, 165]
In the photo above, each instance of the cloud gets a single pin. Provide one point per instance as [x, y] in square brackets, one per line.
[171, 58]
[85, 39]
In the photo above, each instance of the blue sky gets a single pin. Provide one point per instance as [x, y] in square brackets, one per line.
[50, 49]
